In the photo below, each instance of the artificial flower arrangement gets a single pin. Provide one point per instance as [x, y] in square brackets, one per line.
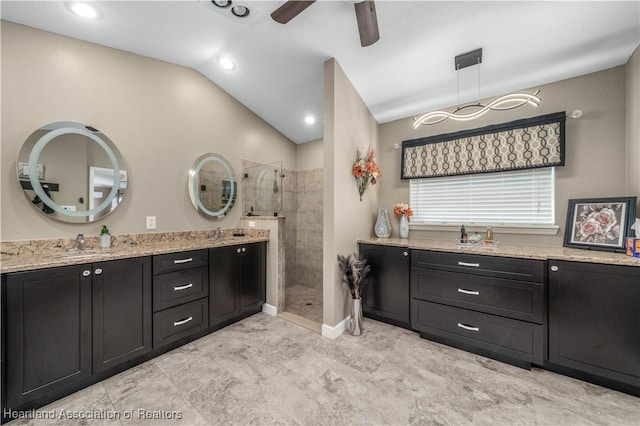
[365, 170]
[402, 209]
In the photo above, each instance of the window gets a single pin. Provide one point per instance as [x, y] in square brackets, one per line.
[519, 199]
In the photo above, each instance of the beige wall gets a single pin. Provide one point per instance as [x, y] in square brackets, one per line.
[595, 146]
[348, 125]
[161, 117]
[632, 71]
[309, 155]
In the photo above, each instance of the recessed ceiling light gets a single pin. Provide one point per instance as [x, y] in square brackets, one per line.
[221, 3]
[84, 10]
[240, 11]
[226, 63]
[309, 119]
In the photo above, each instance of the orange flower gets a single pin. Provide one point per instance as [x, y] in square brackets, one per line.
[365, 170]
[402, 209]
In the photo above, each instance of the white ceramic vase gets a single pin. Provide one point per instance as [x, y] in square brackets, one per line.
[404, 226]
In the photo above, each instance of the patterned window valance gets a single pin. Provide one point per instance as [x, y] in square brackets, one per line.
[521, 144]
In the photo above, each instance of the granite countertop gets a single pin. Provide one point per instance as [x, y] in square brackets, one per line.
[28, 255]
[512, 250]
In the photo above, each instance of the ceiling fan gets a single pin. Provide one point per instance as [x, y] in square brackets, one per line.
[365, 15]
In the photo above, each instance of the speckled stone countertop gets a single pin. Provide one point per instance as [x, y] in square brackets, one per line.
[47, 253]
[512, 250]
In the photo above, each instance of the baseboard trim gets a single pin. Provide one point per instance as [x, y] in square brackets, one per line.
[334, 332]
[269, 309]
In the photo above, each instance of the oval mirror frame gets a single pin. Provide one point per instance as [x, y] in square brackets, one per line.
[228, 186]
[32, 151]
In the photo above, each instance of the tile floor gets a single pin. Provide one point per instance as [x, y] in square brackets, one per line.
[265, 370]
[305, 302]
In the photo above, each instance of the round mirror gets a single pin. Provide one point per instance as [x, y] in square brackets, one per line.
[71, 172]
[212, 188]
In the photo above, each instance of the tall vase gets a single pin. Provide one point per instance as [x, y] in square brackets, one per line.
[383, 227]
[356, 317]
[404, 226]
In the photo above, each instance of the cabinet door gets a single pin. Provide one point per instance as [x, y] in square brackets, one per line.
[48, 332]
[252, 273]
[224, 296]
[121, 311]
[594, 324]
[386, 294]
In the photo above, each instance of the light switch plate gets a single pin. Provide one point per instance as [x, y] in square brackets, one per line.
[252, 224]
[151, 222]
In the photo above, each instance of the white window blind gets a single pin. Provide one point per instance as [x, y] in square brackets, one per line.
[520, 197]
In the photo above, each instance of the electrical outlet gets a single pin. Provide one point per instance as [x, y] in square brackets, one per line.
[151, 222]
[252, 224]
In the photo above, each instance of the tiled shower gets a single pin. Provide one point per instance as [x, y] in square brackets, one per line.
[303, 243]
[296, 195]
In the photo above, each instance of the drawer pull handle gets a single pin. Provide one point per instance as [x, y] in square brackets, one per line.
[473, 265]
[183, 287]
[184, 321]
[405, 254]
[554, 268]
[86, 273]
[468, 327]
[98, 271]
[471, 292]
[244, 249]
[183, 260]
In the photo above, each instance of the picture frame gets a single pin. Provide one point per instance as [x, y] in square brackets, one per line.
[599, 223]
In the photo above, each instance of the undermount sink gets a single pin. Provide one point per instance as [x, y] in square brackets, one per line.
[82, 254]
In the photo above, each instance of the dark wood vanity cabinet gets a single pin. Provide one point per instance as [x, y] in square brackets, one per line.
[180, 295]
[594, 322]
[48, 332]
[491, 305]
[65, 324]
[237, 282]
[386, 293]
[121, 311]
[68, 327]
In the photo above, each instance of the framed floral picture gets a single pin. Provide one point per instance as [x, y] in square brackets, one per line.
[599, 223]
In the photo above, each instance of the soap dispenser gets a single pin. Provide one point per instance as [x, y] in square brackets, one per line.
[105, 238]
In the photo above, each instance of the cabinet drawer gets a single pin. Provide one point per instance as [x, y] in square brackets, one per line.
[513, 338]
[182, 321]
[513, 299]
[176, 288]
[177, 261]
[498, 267]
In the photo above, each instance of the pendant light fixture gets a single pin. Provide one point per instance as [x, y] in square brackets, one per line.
[473, 111]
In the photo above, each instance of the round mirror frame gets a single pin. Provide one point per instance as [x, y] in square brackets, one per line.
[193, 185]
[34, 155]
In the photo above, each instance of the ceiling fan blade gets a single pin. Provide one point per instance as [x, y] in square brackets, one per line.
[367, 22]
[289, 10]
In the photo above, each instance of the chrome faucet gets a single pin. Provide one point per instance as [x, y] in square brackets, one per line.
[79, 245]
[217, 234]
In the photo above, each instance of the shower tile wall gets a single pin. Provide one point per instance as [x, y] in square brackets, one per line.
[302, 209]
[303, 228]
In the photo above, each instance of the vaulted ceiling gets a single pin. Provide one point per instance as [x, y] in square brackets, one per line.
[278, 70]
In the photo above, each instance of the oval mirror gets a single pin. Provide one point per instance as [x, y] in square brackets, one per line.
[212, 188]
[71, 172]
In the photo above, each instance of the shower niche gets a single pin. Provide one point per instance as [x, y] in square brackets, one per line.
[262, 186]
